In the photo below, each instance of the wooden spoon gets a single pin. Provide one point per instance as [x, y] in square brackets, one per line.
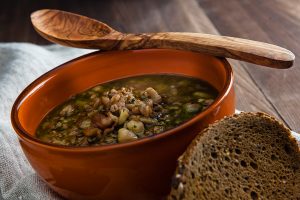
[79, 31]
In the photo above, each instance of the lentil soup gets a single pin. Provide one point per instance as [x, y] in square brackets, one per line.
[125, 110]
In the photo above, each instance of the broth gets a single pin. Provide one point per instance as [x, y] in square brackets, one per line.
[125, 110]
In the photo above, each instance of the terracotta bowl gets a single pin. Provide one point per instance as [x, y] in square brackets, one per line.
[137, 170]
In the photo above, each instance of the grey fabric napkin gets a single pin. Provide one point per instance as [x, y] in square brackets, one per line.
[20, 64]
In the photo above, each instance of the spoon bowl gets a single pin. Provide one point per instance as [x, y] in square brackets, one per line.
[74, 27]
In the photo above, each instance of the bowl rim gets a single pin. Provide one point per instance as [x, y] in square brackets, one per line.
[24, 135]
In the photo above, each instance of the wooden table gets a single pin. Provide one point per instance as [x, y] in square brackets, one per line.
[257, 88]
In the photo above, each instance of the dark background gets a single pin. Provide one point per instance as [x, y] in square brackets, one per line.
[274, 21]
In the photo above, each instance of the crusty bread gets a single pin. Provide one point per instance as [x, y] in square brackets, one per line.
[245, 156]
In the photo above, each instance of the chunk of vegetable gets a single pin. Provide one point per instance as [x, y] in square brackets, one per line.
[124, 114]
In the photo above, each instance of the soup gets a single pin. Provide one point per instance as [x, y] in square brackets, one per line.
[125, 110]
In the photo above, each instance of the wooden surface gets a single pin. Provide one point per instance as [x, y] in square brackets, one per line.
[74, 30]
[257, 88]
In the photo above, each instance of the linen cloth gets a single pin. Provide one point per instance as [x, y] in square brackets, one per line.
[20, 64]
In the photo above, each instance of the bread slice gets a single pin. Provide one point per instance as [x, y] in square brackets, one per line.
[245, 156]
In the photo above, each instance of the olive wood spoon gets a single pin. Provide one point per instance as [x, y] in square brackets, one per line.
[79, 31]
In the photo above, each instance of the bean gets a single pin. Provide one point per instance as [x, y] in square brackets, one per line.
[201, 101]
[135, 110]
[125, 135]
[115, 98]
[158, 129]
[92, 113]
[67, 110]
[80, 103]
[113, 117]
[93, 96]
[203, 95]
[148, 120]
[48, 125]
[173, 91]
[183, 83]
[102, 121]
[136, 126]
[153, 95]
[130, 106]
[88, 107]
[108, 130]
[173, 107]
[105, 100]
[64, 126]
[162, 87]
[85, 124]
[114, 108]
[91, 132]
[96, 102]
[145, 110]
[208, 101]
[149, 102]
[98, 88]
[191, 107]
[113, 91]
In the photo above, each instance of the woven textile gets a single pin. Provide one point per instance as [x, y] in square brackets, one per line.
[20, 64]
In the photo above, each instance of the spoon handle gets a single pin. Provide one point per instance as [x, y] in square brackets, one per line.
[236, 48]
[223, 46]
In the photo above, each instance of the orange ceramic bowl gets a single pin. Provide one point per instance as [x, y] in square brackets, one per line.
[137, 170]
